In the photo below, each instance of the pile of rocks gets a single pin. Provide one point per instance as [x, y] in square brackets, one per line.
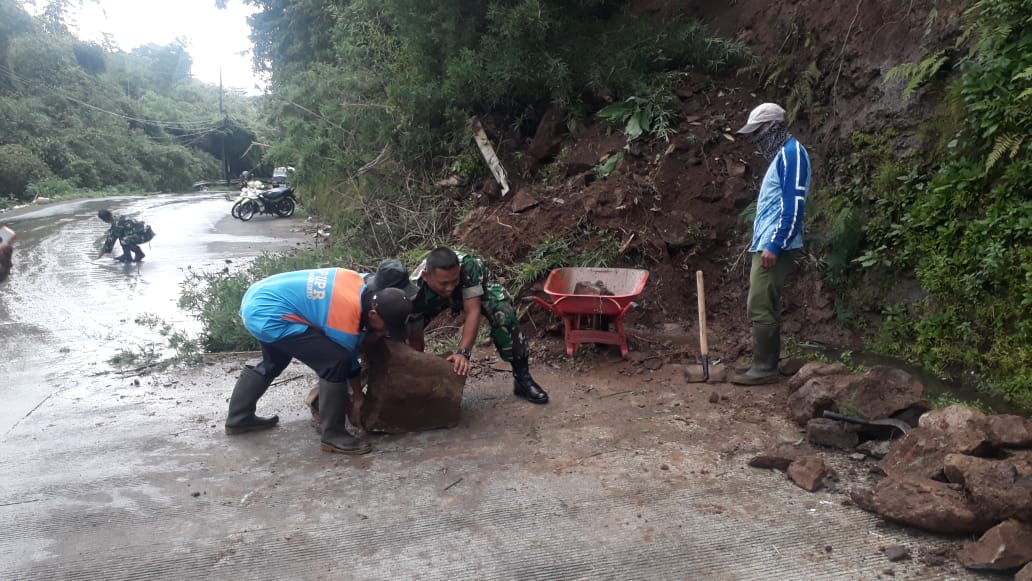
[961, 471]
[953, 470]
[882, 392]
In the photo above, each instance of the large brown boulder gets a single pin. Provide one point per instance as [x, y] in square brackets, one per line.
[877, 394]
[408, 391]
[1005, 547]
[1009, 431]
[825, 432]
[922, 452]
[1002, 488]
[954, 418]
[880, 393]
[929, 505]
[815, 369]
[817, 395]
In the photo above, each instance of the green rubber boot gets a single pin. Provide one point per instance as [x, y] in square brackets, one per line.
[242, 404]
[766, 352]
[333, 405]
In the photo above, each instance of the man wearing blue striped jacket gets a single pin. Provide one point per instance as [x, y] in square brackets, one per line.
[777, 235]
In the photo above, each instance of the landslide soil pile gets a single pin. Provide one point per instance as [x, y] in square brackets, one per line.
[677, 206]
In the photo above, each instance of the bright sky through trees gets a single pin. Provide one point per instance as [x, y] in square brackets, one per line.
[216, 38]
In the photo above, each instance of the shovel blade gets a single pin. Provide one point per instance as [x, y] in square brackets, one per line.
[696, 374]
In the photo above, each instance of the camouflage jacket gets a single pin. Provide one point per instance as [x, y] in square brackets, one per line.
[123, 228]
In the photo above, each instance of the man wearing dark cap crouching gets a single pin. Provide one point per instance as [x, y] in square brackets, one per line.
[319, 317]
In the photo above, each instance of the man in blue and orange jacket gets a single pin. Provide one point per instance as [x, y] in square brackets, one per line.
[319, 317]
[777, 235]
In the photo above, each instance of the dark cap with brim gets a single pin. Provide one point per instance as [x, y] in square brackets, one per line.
[394, 308]
[391, 273]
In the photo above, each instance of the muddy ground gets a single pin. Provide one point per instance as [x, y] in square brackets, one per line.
[629, 472]
[675, 207]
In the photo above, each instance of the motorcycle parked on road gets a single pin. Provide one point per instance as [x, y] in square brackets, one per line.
[277, 201]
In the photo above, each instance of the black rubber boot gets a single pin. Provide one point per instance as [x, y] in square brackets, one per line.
[137, 254]
[524, 385]
[766, 352]
[127, 255]
[249, 388]
[333, 405]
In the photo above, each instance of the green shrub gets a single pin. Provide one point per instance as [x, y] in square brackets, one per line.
[639, 116]
[958, 219]
[51, 188]
[19, 167]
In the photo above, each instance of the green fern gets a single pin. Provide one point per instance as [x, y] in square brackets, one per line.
[918, 74]
[1025, 75]
[1005, 145]
[768, 71]
[802, 94]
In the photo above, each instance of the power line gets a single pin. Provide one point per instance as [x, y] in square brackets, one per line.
[185, 125]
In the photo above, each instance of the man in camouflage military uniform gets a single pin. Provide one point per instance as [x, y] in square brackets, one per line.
[128, 232]
[446, 280]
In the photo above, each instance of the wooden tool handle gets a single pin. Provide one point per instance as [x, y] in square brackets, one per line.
[703, 344]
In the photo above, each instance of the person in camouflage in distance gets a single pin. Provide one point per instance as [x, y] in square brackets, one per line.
[461, 282]
[128, 232]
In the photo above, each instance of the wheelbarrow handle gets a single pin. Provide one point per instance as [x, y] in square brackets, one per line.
[551, 308]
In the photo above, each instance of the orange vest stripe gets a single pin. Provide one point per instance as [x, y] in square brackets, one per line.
[345, 314]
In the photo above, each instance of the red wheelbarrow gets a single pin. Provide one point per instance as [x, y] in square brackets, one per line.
[591, 300]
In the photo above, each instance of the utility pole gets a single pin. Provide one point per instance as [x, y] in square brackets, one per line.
[225, 165]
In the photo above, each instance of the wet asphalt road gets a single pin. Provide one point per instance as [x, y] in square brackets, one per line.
[65, 313]
[625, 474]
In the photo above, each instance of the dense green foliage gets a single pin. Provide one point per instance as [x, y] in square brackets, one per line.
[371, 100]
[373, 97]
[77, 115]
[956, 215]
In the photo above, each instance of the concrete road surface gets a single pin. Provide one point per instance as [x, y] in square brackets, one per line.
[627, 474]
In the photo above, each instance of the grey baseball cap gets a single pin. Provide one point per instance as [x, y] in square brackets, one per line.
[762, 114]
[391, 273]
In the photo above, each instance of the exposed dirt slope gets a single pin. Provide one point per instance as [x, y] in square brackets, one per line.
[676, 205]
